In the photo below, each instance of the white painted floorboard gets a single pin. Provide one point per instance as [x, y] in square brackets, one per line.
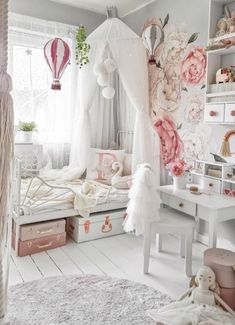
[117, 256]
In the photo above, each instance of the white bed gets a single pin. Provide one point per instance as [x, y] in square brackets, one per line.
[41, 198]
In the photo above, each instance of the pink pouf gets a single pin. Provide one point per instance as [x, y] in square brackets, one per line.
[228, 295]
[222, 262]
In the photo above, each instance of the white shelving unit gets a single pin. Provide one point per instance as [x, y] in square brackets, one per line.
[214, 176]
[220, 103]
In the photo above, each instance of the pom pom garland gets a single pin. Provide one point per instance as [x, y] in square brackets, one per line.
[103, 80]
[108, 92]
[110, 65]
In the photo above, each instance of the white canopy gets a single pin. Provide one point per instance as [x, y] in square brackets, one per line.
[129, 54]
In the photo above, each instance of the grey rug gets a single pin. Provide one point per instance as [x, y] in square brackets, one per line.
[82, 300]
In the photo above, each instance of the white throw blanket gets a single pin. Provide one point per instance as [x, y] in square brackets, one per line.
[185, 312]
[68, 188]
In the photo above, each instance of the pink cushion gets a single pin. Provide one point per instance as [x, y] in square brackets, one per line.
[100, 166]
[222, 262]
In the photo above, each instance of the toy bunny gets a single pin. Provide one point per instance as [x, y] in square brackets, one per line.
[200, 305]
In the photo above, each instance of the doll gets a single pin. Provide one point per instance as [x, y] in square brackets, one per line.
[222, 27]
[200, 305]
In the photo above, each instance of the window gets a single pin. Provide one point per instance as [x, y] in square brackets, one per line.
[33, 98]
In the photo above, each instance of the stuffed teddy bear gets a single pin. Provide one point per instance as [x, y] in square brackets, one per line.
[200, 305]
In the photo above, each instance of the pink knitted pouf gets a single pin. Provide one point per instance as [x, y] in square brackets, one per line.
[222, 262]
[228, 295]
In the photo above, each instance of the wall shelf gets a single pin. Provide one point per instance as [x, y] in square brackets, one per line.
[213, 183]
[222, 38]
[222, 51]
[220, 101]
[221, 94]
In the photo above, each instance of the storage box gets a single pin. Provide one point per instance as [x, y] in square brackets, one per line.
[98, 225]
[41, 229]
[29, 247]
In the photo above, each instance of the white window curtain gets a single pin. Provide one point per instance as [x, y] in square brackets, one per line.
[52, 111]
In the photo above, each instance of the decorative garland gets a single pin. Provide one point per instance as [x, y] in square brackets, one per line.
[82, 47]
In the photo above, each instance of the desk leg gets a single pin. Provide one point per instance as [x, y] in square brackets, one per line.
[147, 246]
[212, 229]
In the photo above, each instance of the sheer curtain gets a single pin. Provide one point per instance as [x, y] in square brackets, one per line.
[34, 100]
[112, 121]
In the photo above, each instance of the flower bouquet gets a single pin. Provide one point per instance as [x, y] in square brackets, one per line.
[179, 170]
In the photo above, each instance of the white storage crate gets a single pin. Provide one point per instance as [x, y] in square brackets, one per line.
[98, 225]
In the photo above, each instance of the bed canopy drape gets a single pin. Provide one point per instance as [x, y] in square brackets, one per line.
[127, 50]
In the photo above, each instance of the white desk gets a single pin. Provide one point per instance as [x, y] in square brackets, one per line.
[214, 208]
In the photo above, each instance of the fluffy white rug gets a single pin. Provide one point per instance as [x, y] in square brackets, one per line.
[82, 300]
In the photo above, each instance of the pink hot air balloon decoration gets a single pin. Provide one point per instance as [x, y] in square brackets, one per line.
[57, 55]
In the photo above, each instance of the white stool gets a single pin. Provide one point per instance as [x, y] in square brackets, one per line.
[171, 222]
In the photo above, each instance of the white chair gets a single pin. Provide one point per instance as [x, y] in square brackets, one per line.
[171, 222]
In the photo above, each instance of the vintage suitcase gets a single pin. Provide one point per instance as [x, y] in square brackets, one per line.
[41, 229]
[98, 225]
[29, 247]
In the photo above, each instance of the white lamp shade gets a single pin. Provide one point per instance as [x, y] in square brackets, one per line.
[103, 80]
[110, 65]
[108, 92]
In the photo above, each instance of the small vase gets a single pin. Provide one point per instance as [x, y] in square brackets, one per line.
[25, 136]
[179, 182]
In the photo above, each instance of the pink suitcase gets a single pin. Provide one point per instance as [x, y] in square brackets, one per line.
[222, 262]
[228, 295]
[41, 229]
[29, 247]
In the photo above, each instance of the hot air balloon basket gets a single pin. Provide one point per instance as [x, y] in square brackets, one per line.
[56, 85]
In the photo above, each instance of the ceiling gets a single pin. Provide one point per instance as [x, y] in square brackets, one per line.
[124, 6]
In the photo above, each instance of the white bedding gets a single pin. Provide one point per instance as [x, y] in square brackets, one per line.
[83, 195]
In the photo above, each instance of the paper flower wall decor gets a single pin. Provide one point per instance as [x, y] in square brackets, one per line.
[57, 55]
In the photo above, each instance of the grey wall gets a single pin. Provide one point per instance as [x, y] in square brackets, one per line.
[195, 14]
[48, 10]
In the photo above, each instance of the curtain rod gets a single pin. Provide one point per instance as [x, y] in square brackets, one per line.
[26, 32]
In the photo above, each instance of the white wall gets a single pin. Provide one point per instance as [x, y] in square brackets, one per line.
[195, 14]
[49, 10]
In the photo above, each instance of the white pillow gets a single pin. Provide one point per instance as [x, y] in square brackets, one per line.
[100, 166]
[127, 164]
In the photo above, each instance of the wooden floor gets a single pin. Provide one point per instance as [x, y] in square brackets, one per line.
[117, 256]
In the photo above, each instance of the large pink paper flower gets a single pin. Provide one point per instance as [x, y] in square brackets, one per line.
[193, 67]
[171, 144]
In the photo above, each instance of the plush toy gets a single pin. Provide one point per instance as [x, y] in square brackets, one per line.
[221, 27]
[231, 23]
[119, 181]
[200, 305]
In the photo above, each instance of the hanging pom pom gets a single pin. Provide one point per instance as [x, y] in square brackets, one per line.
[108, 92]
[99, 68]
[110, 65]
[103, 80]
